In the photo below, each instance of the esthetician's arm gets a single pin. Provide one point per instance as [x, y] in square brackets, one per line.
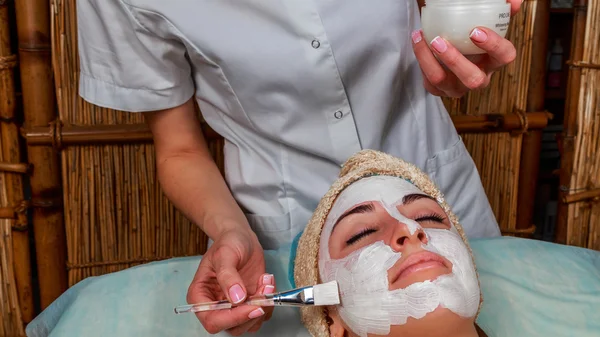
[190, 178]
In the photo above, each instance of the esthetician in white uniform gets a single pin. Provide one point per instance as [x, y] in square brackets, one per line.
[295, 87]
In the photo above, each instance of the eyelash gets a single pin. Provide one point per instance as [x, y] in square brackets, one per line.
[360, 236]
[369, 230]
[435, 217]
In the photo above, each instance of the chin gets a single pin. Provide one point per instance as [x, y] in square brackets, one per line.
[441, 322]
[421, 276]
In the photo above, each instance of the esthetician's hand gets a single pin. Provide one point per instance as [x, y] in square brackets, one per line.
[461, 74]
[233, 268]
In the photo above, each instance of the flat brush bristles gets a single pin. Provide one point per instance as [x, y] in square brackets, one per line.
[326, 294]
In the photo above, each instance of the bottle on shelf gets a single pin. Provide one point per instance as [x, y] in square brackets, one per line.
[555, 65]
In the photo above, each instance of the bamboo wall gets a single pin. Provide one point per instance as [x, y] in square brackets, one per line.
[16, 302]
[579, 216]
[115, 213]
[498, 155]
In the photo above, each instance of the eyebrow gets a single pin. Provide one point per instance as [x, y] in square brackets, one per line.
[410, 198]
[365, 208]
[368, 208]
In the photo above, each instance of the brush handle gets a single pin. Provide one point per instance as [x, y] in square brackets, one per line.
[261, 301]
[199, 307]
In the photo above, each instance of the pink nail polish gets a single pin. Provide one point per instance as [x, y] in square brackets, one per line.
[478, 35]
[267, 279]
[439, 44]
[236, 293]
[417, 36]
[269, 289]
[256, 313]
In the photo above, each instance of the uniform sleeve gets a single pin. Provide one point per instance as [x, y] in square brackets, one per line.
[126, 66]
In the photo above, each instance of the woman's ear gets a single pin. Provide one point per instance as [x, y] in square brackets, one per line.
[336, 327]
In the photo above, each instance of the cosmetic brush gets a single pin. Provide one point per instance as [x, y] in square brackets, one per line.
[318, 295]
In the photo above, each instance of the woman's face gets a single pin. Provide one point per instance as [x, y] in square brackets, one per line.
[369, 222]
[398, 260]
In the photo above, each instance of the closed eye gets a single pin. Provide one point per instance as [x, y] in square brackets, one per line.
[434, 217]
[364, 233]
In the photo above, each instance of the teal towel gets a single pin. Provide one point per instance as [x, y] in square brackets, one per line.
[531, 289]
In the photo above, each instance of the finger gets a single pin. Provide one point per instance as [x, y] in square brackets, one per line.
[198, 287]
[218, 320]
[256, 327]
[433, 90]
[242, 329]
[269, 289]
[432, 70]
[226, 261]
[515, 6]
[266, 279]
[256, 322]
[238, 317]
[501, 51]
[470, 75]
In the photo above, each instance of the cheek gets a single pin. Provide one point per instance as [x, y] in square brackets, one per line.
[450, 245]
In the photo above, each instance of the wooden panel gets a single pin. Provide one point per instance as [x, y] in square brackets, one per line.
[579, 211]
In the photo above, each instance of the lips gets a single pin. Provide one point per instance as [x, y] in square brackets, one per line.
[419, 261]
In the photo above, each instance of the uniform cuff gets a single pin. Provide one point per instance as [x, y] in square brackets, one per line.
[108, 95]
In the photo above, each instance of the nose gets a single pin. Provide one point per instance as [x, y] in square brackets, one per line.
[403, 238]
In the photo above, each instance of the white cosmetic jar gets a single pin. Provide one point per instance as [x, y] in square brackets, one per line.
[455, 20]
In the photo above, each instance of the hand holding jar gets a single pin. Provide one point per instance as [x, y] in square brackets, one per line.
[463, 43]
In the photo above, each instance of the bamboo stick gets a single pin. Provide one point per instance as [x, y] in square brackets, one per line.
[7, 213]
[570, 119]
[580, 64]
[33, 30]
[532, 140]
[16, 274]
[10, 317]
[14, 167]
[137, 133]
[581, 196]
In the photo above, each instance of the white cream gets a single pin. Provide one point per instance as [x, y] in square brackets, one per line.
[367, 304]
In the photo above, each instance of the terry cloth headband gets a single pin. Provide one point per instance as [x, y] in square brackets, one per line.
[363, 164]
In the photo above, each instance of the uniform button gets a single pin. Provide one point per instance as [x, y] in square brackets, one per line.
[338, 114]
[316, 44]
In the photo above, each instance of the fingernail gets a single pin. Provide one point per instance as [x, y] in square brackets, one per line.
[256, 313]
[478, 35]
[439, 44]
[416, 36]
[267, 279]
[269, 289]
[236, 293]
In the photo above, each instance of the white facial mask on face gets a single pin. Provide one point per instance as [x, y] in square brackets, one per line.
[367, 304]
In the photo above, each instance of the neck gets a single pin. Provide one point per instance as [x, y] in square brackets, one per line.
[467, 331]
